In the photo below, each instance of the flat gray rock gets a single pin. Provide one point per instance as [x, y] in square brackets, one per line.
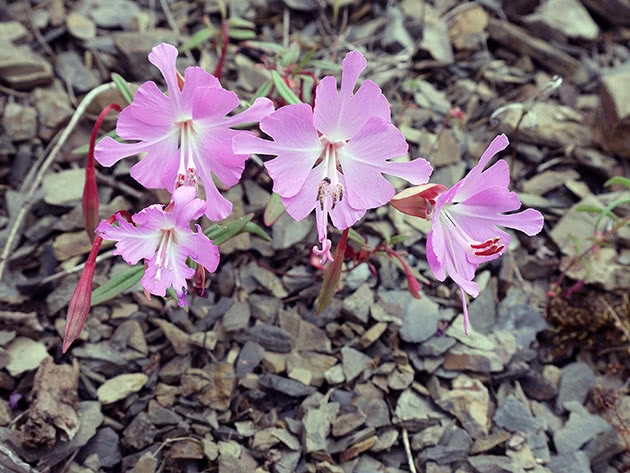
[572, 462]
[575, 383]
[512, 415]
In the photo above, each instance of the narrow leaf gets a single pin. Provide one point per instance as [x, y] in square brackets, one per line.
[273, 210]
[118, 284]
[266, 46]
[291, 55]
[332, 276]
[283, 89]
[221, 233]
[122, 85]
[304, 62]
[240, 34]
[624, 181]
[263, 90]
[331, 66]
[397, 239]
[198, 38]
[251, 227]
[238, 22]
[356, 236]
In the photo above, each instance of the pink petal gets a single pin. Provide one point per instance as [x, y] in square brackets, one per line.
[214, 148]
[344, 215]
[488, 200]
[261, 108]
[217, 206]
[295, 144]
[174, 275]
[151, 107]
[352, 66]
[186, 207]
[163, 56]
[109, 151]
[364, 159]
[435, 251]
[152, 217]
[302, 204]
[498, 174]
[194, 78]
[339, 119]
[201, 250]
[158, 169]
[528, 221]
[211, 104]
[134, 243]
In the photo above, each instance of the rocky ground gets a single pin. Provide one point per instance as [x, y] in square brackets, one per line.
[249, 379]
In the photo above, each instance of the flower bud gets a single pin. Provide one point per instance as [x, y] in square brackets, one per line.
[418, 201]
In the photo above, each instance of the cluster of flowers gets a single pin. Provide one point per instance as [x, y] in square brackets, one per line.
[329, 158]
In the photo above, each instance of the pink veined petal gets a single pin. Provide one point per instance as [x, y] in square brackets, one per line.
[465, 309]
[194, 78]
[497, 175]
[201, 250]
[327, 110]
[435, 252]
[214, 147]
[109, 151]
[134, 243]
[302, 204]
[186, 207]
[488, 200]
[340, 118]
[174, 275]
[129, 127]
[352, 66]
[483, 231]
[528, 221]
[474, 180]
[152, 217]
[295, 144]
[158, 169]
[163, 56]
[210, 105]
[344, 215]
[364, 159]
[217, 206]
[261, 108]
[151, 107]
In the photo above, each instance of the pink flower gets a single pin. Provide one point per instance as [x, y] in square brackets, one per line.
[464, 230]
[185, 134]
[332, 158]
[163, 238]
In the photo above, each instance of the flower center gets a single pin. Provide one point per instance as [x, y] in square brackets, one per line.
[187, 172]
[162, 259]
[330, 185]
[471, 246]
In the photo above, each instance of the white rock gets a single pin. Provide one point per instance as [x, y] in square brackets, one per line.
[120, 387]
[25, 355]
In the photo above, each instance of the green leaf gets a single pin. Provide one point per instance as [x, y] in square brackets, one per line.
[85, 149]
[117, 285]
[307, 87]
[237, 22]
[397, 239]
[219, 234]
[273, 210]
[305, 60]
[198, 38]
[283, 89]
[263, 90]
[608, 210]
[356, 236]
[254, 229]
[624, 181]
[326, 65]
[123, 86]
[332, 276]
[236, 33]
[291, 55]
[272, 48]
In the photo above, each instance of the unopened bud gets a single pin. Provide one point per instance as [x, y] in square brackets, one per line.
[418, 201]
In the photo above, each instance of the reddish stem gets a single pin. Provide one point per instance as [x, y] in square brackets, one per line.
[219, 69]
[81, 299]
[90, 191]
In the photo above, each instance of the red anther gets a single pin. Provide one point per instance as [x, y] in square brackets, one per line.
[485, 244]
[490, 251]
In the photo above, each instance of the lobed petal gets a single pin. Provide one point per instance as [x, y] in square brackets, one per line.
[261, 108]
[174, 274]
[497, 175]
[198, 247]
[158, 169]
[344, 215]
[295, 144]
[214, 148]
[210, 105]
[195, 78]
[353, 64]
[186, 207]
[152, 217]
[164, 56]
[217, 206]
[304, 201]
[133, 243]
[364, 159]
